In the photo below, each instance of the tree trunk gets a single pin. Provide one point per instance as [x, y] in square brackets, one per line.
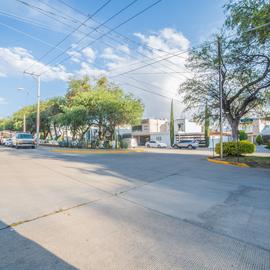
[234, 125]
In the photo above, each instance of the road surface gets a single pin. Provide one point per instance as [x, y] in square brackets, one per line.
[162, 209]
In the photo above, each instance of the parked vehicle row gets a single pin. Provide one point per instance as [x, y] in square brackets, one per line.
[19, 140]
[155, 144]
[189, 144]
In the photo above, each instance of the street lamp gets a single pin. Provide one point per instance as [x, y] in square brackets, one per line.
[24, 116]
[37, 77]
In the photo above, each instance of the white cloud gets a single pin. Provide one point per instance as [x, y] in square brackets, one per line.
[74, 56]
[89, 54]
[3, 100]
[116, 60]
[87, 69]
[13, 61]
[169, 74]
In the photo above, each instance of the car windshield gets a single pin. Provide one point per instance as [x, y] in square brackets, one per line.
[24, 136]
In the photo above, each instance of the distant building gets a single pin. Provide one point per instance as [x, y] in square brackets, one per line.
[266, 133]
[152, 129]
[253, 127]
[185, 130]
[159, 130]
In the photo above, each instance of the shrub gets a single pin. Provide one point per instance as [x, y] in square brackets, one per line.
[259, 140]
[242, 135]
[234, 148]
[124, 145]
[268, 145]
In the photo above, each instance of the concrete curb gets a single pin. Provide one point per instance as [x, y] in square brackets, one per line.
[87, 152]
[237, 164]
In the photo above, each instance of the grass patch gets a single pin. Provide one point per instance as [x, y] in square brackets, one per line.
[252, 161]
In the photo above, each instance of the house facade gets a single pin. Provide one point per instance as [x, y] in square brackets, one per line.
[253, 127]
[187, 130]
[159, 130]
[152, 129]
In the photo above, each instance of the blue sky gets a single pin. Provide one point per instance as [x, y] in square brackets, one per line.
[171, 26]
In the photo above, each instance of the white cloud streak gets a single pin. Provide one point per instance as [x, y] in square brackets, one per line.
[13, 61]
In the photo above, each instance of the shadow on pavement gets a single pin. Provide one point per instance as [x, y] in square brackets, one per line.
[20, 253]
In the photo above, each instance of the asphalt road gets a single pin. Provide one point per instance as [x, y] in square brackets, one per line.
[164, 209]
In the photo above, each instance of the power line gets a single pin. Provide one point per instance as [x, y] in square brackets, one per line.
[119, 25]
[149, 64]
[89, 33]
[125, 37]
[103, 24]
[47, 13]
[39, 9]
[160, 73]
[26, 20]
[72, 32]
[149, 91]
[28, 35]
[119, 34]
[255, 28]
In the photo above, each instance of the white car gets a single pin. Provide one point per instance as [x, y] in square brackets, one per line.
[190, 144]
[155, 144]
[8, 142]
[23, 139]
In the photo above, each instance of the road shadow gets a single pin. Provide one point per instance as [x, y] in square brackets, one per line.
[18, 252]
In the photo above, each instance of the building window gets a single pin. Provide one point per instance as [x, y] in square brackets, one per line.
[181, 127]
[137, 128]
[145, 127]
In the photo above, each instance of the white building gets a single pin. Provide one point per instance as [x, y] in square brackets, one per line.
[185, 129]
[152, 129]
[253, 127]
[266, 133]
[159, 130]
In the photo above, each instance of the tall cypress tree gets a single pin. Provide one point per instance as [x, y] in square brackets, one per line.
[206, 125]
[172, 125]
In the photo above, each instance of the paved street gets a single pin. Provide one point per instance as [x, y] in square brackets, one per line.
[162, 209]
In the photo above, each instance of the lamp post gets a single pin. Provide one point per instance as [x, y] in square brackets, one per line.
[37, 77]
[24, 115]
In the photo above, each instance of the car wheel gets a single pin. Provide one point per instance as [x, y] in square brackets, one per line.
[16, 146]
[148, 146]
[175, 146]
[190, 147]
[158, 146]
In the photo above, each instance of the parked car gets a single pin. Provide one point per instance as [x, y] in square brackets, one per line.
[156, 144]
[190, 144]
[202, 143]
[23, 140]
[8, 142]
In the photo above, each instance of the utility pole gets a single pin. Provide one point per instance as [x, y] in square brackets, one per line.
[220, 96]
[37, 77]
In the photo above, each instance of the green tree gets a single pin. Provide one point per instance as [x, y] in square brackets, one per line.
[76, 86]
[259, 140]
[245, 75]
[75, 119]
[172, 125]
[242, 135]
[243, 15]
[108, 107]
[206, 125]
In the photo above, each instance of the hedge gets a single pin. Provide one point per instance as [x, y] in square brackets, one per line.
[234, 148]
